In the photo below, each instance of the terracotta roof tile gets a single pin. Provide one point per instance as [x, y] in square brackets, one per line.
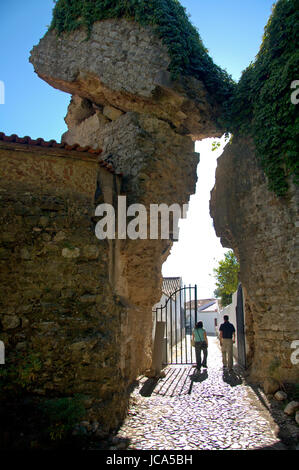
[171, 285]
[52, 143]
[46, 143]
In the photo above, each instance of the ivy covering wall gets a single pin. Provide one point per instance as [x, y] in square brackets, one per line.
[259, 105]
[262, 106]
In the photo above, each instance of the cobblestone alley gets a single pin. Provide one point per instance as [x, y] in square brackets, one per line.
[191, 410]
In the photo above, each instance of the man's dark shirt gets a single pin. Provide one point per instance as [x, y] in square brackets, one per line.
[227, 329]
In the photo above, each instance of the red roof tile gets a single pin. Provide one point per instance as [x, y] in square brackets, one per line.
[44, 143]
[52, 143]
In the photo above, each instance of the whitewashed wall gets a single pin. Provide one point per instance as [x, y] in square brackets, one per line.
[208, 319]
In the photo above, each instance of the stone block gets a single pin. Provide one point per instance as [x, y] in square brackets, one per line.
[291, 408]
[280, 395]
[270, 386]
[91, 252]
[112, 113]
[70, 253]
[10, 322]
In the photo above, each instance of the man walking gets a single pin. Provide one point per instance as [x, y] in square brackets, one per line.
[227, 339]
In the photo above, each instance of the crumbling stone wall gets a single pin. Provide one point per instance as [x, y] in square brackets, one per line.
[124, 100]
[124, 66]
[57, 304]
[261, 228]
[80, 305]
[84, 305]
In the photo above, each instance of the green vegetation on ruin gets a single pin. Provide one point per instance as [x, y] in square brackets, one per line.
[168, 19]
[259, 105]
[262, 106]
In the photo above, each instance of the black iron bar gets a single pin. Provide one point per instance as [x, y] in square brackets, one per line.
[166, 333]
[185, 323]
[175, 332]
[176, 329]
[190, 302]
[171, 351]
[181, 325]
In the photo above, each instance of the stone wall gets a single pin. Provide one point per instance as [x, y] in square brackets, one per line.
[124, 100]
[262, 230]
[60, 318]
[124, 66]
[80, 307]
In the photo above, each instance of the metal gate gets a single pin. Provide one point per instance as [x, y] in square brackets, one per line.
[179, 314]
[240, 328]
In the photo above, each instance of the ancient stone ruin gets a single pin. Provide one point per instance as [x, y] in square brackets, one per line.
[77, 308]
[81, 309]
[261, 228]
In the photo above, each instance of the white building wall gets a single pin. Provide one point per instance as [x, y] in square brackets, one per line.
[208, 319]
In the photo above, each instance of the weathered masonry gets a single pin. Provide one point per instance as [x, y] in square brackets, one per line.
[78, 307]
[263, 231]
[76, 312]
[59, 314]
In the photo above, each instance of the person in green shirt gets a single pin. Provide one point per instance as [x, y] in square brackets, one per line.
[199, 336]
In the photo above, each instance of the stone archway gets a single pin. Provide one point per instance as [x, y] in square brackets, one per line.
[125, 101]
[146, 124]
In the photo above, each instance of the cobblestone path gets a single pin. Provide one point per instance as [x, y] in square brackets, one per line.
[188, 410]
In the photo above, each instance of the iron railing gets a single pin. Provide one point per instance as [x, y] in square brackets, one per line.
[179, 313]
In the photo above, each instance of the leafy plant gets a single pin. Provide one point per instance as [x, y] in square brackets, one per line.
[227, 277]
[215, 145]
[28, 369]
[62, 415]
[261, 105]
[227, 139]
[21, 370]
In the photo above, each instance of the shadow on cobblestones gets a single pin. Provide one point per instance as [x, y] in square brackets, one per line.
[233, 378]
[197, 377]
[211, 409]
[148, 387]
[174, 384]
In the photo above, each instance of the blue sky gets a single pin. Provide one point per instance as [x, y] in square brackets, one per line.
[231, 30]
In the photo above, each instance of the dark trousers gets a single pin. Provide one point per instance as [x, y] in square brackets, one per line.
[201, 347]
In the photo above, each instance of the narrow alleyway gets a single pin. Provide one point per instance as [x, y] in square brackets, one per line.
[188, 410]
